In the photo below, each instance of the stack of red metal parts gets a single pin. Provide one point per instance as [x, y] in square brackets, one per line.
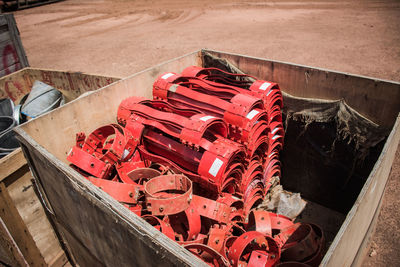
[195, 163]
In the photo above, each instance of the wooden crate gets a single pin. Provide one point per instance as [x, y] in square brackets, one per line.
[100, 231]
[26, 234]
[12, 53]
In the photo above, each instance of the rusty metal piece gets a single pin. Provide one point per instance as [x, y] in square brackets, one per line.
[160, 204]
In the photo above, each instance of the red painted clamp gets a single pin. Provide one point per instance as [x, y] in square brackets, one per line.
[217, 236]
[208, 254]
[211, 209]
[302, 243]
[127, 193]
[251, 241]
[89, 163]
[160, 225]
[158, 202]
[186, 225]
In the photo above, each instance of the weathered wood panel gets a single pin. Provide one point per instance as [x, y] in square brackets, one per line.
[350, 236]
[18, 230]
[12, 53]
[71, 84]
[9, 252]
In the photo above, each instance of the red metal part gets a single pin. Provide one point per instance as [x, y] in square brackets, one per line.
[302, 244]
[160, 204]
[208, 254]
[260, 221]
[235, 83]
[211, 209]
[186, 225]
[222, 131]
[251, 241]
[241, 111]
[126, 193]
[258, 258]
[89, 163]
[160, 225]
[216, 237]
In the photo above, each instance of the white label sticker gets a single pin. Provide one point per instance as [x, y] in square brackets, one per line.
[126, 153]
[264, 86]
[274, 130]
[172, 88]
[166, 76]
[251, 114]
[206, 118]
[217, 164]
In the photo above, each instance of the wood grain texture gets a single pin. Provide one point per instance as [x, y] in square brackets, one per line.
[9, 252]
[18, 229]
[29, 207]
[11, 163]
[350, 236]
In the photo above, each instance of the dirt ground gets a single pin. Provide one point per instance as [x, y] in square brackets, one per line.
[119, 38]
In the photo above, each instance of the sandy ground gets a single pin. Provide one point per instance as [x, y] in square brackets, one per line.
[118, 38]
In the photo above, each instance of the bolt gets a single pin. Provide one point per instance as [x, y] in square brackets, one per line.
[130, 194]
[161, 209]
[92, 165]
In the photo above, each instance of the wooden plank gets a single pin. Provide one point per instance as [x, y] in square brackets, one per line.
[29, 207]
[11, 163]
[59, 260]
[9, 252]
[346, 243]
[71, 84]
[364, 246]
[18, 229]
[364, 94]
[105, 226]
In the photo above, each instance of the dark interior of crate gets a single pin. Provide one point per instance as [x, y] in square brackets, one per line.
[326, 166]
